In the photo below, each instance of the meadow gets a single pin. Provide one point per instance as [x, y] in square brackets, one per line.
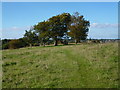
[64, 66]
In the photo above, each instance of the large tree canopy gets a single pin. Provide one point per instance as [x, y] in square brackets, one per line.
[54, 28]
[43, 32]
[58, 26]
[30, 37]
[78, 27]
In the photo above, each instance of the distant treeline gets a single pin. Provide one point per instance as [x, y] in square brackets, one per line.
[19, 43]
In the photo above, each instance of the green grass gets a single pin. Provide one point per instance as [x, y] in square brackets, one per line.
[70, 66]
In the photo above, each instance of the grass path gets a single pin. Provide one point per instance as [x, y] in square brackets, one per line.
[72, 66]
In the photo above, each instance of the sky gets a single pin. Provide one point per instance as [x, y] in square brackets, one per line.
[20, 16]
[59, 0]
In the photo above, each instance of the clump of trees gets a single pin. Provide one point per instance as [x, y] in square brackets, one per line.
[59, 28]
[54, 28]
[13, 43]
[5, 43]
[17, 43]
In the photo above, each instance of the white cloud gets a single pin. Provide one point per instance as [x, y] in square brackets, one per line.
[106, 30]
[15, 28]
[104, 25]
[19, 28]
[14, 32]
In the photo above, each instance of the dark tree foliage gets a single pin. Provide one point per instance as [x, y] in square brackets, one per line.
[5, 46]
[78, 27]
[54, 28]
[23, 42]
[5, 43]
[14, 44]
[42, 30]
[30, 37]
[59, 26]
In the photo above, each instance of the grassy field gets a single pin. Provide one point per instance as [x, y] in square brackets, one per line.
[70, 66]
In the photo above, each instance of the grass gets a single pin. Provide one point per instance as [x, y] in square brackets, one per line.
[70, 66]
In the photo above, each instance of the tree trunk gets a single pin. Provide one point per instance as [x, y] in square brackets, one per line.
[44, 44]
[39, 44]
[30, 45]
[75, 41]
[55, 43]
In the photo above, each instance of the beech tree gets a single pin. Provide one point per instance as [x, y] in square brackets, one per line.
[58, 26]
[43, 32]
[78, 27]
[30, 37]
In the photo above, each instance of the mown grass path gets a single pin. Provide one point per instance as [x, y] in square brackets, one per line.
[71, 66]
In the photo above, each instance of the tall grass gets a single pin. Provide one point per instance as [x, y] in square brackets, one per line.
[71, 66]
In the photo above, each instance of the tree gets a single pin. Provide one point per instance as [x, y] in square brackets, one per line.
[78, 27]
[23, 42]
[30, 37]
[42, 30]
[5, 46]
[58, 26]
[14, 44]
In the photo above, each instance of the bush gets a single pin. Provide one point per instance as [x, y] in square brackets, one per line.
[23, 43]
[14, 44]
[5, 46]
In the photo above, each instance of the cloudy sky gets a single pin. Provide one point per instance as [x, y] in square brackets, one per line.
[19, 16]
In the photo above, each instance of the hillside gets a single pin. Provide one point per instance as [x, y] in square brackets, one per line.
[70, 66]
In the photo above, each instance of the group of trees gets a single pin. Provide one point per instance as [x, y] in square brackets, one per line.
[13, 43]
[57, 28]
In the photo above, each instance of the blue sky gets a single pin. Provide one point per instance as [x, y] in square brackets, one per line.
[59, 0]
[19, 16]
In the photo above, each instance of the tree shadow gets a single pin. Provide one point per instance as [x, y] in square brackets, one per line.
[62, 45]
